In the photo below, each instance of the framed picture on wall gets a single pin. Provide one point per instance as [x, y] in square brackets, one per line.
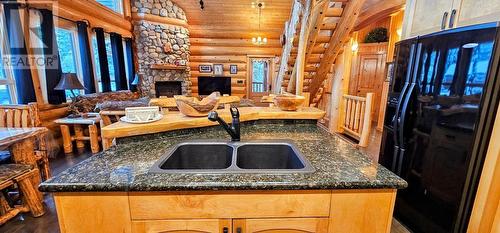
[233, 69]
[205, 68]
[218, 69]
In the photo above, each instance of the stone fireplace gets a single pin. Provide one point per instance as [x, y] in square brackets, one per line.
[168, 88]
[158, 45]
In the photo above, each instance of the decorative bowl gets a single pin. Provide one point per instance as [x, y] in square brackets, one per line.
[289, 102]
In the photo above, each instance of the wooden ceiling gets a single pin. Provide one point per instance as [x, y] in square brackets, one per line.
[235, 18]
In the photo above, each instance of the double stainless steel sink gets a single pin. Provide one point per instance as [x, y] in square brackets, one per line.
[267, 157]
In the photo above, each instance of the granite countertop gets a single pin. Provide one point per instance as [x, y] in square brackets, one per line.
[125, 167]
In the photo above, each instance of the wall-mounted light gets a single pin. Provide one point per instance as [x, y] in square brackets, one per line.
[399, 32]
[354, 46]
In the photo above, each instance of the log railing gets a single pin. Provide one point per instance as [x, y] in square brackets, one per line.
[356, 121]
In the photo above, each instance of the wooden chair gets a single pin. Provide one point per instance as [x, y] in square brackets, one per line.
[21, 175]
[25, 116]
[108, 118]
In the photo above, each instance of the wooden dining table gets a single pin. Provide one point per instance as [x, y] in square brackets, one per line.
[21, 144]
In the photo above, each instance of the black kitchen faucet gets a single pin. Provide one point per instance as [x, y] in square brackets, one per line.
[234, 129]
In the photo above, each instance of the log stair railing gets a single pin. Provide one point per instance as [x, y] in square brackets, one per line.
[328, 27]
[356, 117]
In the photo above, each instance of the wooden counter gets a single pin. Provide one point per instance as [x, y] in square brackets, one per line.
[175, 120]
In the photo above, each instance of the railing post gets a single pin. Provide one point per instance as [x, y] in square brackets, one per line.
[365, 132]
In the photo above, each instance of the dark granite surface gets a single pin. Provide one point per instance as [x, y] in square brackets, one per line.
[125, 167]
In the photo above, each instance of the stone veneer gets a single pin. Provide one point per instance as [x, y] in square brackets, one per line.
[158, 43]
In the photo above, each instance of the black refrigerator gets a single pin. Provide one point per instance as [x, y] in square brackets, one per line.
[441, 107]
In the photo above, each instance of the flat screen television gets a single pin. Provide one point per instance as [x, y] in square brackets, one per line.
[207, 85]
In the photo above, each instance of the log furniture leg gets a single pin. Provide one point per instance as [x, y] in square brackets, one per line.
[31, 195]
[43, 157]
[23, 152]
[94, 138]
[66, 135]
[79, 138]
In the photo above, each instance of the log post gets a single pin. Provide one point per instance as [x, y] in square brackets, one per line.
[367, 120]
[79, 136]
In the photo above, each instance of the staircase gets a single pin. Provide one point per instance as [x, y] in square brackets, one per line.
[323, 33]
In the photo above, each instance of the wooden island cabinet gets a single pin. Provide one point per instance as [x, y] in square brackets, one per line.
[318, 211]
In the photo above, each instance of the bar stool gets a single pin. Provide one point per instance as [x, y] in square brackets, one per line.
[21, 175]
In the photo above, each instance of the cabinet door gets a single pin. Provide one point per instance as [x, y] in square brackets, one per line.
[428, 16]
[283, 225]
[478, 11]
[183, 226]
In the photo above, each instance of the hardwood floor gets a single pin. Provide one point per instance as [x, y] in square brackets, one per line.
[47, 223]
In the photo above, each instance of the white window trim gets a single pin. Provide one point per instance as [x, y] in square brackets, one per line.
[125, 59]
[4, 47]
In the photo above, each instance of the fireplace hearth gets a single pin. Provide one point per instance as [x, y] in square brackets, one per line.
[168, 88]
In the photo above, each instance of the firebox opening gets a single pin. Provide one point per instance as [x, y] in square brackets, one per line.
[168, 88]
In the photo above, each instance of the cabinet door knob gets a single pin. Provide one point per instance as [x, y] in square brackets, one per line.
[443, 21]
[238, 230]
[225, 230]
[452, 18]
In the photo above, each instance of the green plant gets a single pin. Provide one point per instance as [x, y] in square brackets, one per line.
[377, 35]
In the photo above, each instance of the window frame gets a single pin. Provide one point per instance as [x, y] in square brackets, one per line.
[4, 46]
[76, 50]
[95, 57]
[120, 6]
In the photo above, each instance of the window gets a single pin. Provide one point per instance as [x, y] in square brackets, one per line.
[109, 54]
[115, 5]
[7, 83]
[68, 54]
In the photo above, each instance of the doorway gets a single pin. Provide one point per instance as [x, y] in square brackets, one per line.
[368, 73]
[259, 78]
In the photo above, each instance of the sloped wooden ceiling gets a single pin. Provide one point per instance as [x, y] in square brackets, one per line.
[235, 18]
[222, 33]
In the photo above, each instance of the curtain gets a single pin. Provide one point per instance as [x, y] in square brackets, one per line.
[86, 57]
[18, 53]
[130, 63]
[103, 59]
[53, 72]
[119, 61]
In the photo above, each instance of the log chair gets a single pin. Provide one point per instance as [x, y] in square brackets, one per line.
[25, 116]
[20, 174]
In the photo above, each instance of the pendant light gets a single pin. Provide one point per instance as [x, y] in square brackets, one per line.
[259, 40]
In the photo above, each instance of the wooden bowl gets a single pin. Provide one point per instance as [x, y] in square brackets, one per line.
[289, 102]
[195, 109]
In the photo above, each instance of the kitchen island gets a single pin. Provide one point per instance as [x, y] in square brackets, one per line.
[115, 192]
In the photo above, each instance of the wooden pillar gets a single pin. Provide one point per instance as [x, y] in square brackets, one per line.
[301, 53]
[34, 68]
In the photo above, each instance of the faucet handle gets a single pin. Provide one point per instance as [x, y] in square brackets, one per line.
[213, 116]
[235, 113]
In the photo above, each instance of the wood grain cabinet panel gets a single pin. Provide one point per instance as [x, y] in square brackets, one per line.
[282, 225]
[182, 226]
[428, 16]
[478, 11]
[250, 204]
